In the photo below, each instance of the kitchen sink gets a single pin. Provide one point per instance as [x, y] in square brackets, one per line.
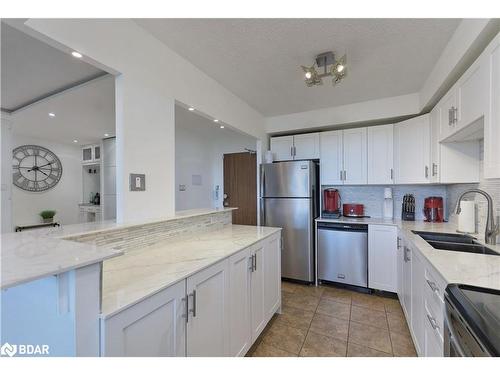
[455, 242]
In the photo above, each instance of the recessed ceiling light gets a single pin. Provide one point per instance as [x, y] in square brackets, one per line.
[78, 55]
[215, 120]
[52, 114]
[222, 126]
[191, 108]
[75, 141]
[106, 134]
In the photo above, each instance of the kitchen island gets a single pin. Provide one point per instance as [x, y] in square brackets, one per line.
[177, 286]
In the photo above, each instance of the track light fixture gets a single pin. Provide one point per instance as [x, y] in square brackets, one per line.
[335, 68]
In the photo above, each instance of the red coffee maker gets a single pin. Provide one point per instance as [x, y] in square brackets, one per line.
[433, 209]
[331, 203]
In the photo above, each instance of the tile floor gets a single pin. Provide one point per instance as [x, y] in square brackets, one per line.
[332, 322]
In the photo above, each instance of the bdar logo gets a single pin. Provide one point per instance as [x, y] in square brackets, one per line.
[8, 349]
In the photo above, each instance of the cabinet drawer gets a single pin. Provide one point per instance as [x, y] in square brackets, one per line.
[434, 343]
[433, 291]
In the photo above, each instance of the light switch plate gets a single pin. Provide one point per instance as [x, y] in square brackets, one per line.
[137, 182]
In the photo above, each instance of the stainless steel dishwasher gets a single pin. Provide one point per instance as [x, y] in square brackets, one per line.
[343, 253]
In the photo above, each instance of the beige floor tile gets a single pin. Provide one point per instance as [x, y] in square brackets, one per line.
[392, 305]
[308, 290]
[370, 317]
[288, 287]
[295, 317]
[355, 350]
[372, 337]
[264, 350]
[397, 323]
[336, 309]
[368, 301]
[323, 346]
[402, 345]
[330, 326]
[337, 294]
[285, 337]
[299, 301]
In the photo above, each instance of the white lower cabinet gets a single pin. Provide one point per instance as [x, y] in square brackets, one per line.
[382, 257]
[218, 311]
[406, 282]
[208, 314]
[417, 300]
[154, 327]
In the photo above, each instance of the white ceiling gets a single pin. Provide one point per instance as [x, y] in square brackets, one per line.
[32, 69]
[259, 59]
[84, 113]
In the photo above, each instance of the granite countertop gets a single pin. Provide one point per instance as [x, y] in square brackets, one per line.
[27, 256]
[454, 267]
[140, 273]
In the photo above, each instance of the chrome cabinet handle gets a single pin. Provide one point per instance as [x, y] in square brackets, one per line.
[434, 169]
[250, 258]
[255, 262]
[193, 310]
[406, 257]
[426, 171]
[345, 175]
[432, 285]
[433, 322]
[341, 179]
[399, 243]
[455, 115]
[392, 174]
[449, 116]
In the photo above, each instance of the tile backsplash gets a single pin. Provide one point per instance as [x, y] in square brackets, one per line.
[372, 197]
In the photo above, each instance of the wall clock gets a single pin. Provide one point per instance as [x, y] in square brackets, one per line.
[35, 168]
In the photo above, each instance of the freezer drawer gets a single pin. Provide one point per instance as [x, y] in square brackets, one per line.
[343, 254]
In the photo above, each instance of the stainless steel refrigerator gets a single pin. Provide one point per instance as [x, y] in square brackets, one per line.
[289, 199]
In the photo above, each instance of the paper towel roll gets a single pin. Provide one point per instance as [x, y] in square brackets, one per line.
[467, 217]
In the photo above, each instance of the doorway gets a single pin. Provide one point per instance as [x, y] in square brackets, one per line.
[240, 186]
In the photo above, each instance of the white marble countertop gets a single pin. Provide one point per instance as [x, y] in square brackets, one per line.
[27, 256]
[454, 267]
[30, 255]
[140, 273]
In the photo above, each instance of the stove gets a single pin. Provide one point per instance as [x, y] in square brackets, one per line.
[472, 321]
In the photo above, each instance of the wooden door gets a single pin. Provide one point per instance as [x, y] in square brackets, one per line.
[240, 186]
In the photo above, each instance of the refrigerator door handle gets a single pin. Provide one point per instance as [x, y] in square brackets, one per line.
[262, 210]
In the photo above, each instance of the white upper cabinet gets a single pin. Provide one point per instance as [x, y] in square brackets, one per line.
[306, 146]
[91, 154]
[282, 148]
[435, 119]
[448, 114]
[295, 147]
[491, 58]
[355, 163]
[331, 166]
[412, 151]
[380, 154]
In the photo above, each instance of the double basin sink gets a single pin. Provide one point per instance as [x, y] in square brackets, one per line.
[455, 242]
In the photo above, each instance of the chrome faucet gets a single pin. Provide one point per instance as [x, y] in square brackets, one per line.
[492, 230]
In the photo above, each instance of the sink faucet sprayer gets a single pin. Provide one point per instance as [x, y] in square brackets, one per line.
[492, 230]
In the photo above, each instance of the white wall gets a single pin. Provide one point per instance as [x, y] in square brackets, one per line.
[372, 110]
[152, 78]
[199, 148]
[63, 198]
[6, 175]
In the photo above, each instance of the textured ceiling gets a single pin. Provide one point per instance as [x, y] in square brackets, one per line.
[259, 59]
[32, 69]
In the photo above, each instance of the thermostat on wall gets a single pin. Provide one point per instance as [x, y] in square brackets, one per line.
[137, 182]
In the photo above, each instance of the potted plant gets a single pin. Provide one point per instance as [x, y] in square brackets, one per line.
[48, 216]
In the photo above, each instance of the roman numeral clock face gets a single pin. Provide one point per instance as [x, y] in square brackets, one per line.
[35, 168]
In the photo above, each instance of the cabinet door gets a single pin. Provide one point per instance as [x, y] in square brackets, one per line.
[417, 301]
[380, 154]
[331, 157]
[382, 257]
[239, 306]
[258, 313]
[355, 162]
[406, 283]
[208, 323]
[272, 275]
[435, 123]
[412, 151]
[154, 327]
[282, 148]
[400, 263]
[87, 154]
[472, 93]
[97, 152]
[306, 146]
[492, 117]
[448, 114]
